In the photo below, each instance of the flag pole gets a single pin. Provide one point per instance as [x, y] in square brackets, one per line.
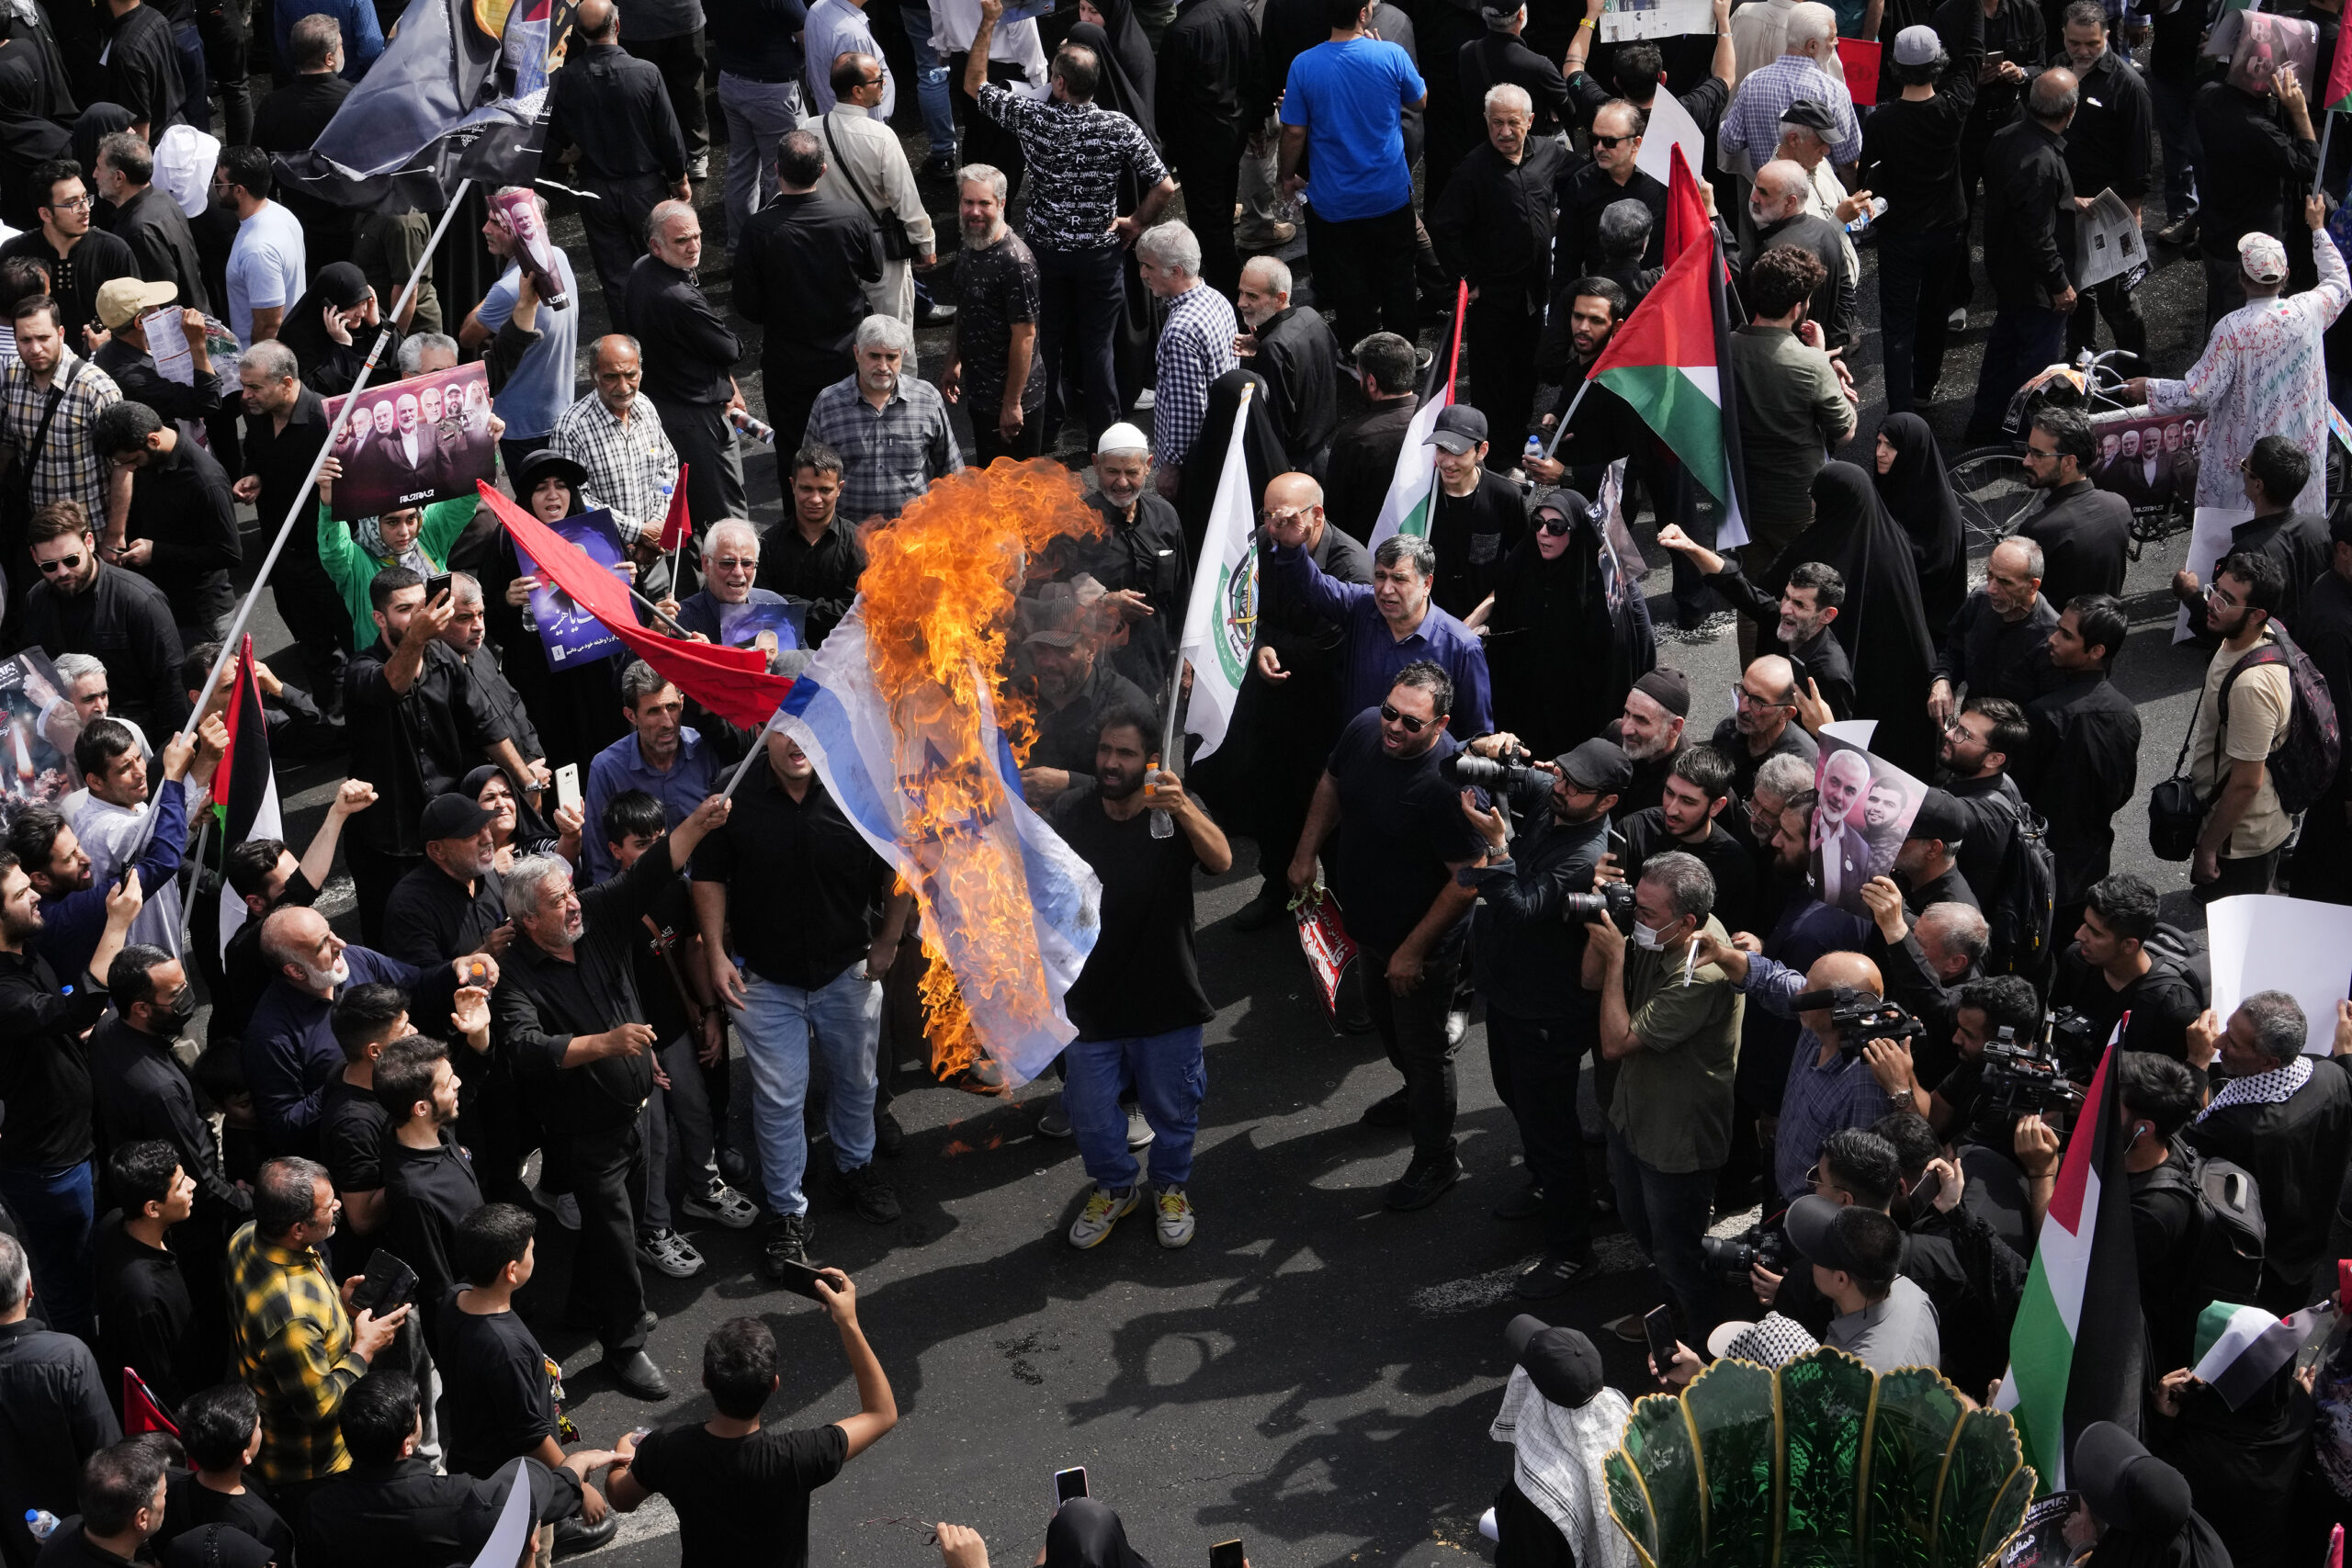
[195, 883]
[2319, 175]
[758, 745]
[305, 497]
[1562, 428]
[637, 594]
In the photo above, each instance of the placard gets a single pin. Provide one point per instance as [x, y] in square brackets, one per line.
[1860, 822]
[412, 443]
[2265, 942]
[571, 636]
[1623, 19]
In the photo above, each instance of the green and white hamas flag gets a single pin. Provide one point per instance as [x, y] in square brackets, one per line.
[2240, 1349]
[1221, 622]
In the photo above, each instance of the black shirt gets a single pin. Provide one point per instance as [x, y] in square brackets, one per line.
[1401, 829]
[245, 971]
[2081, 771]
[1147, 554]
[134, 371]
[496, 1399]
[1066, 737]
[180, 500]
[2029, 215]
[411, 745]
[189, 1505]
[1821, 660]
[1300, 360]
[57, 1416]
[2163, 1002]
[1143, 977]
[1991, 805]
[1528, 957]
[353, 1129]
[75, 278]
[143, 1092]
[126, 624]
[1472, 534]
[289, 120]
[2085, 534]
[689, 347]
[801, 267]
[2249, 135]
[659, 963]
[1733, 868]
[1585, 192]
[1911, 150]
[1494, 223]
[430, 917]
[1206, 84]
[742, 1502]
[1745, 765]
[614, 108]
[2296, 1152]
[1997, 658]
[759, 40]
[428, 1194]
[401, 1515]
[824, 573]
[1501, 57]
[143, 70]
[2107, 143]
[44, 1067]
[282, 460]
[151, 224]
[146, 1318]
[811, 916]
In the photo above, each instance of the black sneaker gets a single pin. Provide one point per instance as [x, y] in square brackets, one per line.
[888, 1136]
[1523, 1204]
[788, 1241]
[1393, 1111]
[1424, 1182]
[1271, 904]
[1551, 1275]
[868, 1194]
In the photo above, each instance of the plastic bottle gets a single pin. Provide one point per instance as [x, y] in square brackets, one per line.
[1874, 207]
[1534, 450]
[1162, 827]
[41, 1523]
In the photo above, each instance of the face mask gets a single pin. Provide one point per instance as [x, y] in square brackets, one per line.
[1646, 936]
[183, 1007]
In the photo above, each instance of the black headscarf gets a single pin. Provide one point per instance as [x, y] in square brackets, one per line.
[1918, 492]
[1551, 616]
[330, 367]
[1205, 464]
[97, 123]
[1130, 71]
[1882, 627]
[1087, 1534]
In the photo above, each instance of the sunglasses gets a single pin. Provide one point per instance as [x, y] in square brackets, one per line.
[735, 563]
[1388, 714]
[63, 563]
[1555, 524]
[1609, 143]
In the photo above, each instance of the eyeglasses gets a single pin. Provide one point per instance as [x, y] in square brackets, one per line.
[2037, 455]
[75, 205]
[1388, 714]
[1748, 699]
[63, 563]
[1609, 143]
[2214, 595]
[735, 563]
[1277, 519]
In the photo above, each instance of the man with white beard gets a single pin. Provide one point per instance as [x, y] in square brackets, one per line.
[1292, 348]
[289, 1050]
[1650, 730]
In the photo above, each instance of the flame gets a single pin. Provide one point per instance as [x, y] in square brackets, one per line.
[939, 586]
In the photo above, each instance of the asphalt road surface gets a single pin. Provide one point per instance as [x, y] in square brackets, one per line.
[1313, 1374]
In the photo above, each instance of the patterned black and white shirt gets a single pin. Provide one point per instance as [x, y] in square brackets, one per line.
[1075, 153]
[995, 289]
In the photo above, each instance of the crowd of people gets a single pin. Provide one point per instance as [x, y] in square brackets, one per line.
[285, 1249]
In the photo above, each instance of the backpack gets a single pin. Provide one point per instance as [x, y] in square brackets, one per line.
[2024, 900]
[2226, 1253]
[2303, 765]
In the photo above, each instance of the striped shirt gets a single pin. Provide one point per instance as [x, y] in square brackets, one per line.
[1076, 153]
[631, 468]
[293, 1341]
[1195, 348]
[69, 467]
[889, 454]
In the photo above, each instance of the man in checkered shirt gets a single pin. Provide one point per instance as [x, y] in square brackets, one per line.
[1751, 128]
[1195, 343]
[65, 463]
[615, 434]
[889, 424]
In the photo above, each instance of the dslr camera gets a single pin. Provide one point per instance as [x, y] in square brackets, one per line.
[1497, 775]
[1760, 1245]
[1612, 902]
[2020, 1077]
[1862, 1018]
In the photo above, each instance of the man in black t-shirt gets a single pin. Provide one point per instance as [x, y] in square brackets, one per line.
[2156, 1097]
[742, 1494]
[429, 1185]
[146, 1317]
[220, 1429]
[1400, 839]
[1138, 1004]
[2107, 971]
[353, 1127]
[1688, 817]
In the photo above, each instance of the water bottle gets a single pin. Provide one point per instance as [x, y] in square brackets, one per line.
[1163, 826]
[756, 429]
[1534, 450]
[1874, 207]
[41, 1523]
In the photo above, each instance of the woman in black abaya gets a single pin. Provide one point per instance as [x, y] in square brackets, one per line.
[1918, 492]
[1560, 659]
[1880, 626]
[1088, 1534]
[1205, 465]
[578, 711]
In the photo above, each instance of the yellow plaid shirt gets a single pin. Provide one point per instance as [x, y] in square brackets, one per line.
[294, 1350]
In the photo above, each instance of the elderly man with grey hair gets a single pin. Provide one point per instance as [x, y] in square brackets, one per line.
[1196, 345]
[887, 422]
[568, 1014]
[467, 635]
[2287, 1117]
[1289, 346]
[866, 166]
[662, 755]
[690, 352]
[423, 352]
[1779, 214]
[1807, 68]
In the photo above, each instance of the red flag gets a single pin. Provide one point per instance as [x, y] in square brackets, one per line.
[677, 528]
[140, 1412]
[732, 683]
[1686, 214]
[1861, 63]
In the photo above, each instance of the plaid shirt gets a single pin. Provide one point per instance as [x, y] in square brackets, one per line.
[1750, 136]
[69, 467]
[1195, 348]
[889, 454]
[629, 466]
[293, 1342]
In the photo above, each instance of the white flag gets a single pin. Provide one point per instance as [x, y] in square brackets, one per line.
[1222, 620]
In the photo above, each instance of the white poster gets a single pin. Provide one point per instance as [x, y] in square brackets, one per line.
[1671, 127]
[2207, 542]
[2264, 942]
[1623, 19]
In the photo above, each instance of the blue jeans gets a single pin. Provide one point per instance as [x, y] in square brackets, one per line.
[56, 1212]
[1665, 1212]
[2177, 122]
[759, 114]
[2024, 339]
[844, 1016]
[1914, 276]
[930, 78]
[1170, 1075]
[1082, 294]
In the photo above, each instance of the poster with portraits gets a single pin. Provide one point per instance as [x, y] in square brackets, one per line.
[1861, 818]
[2148, 459]
[36, 755]
[2258, 45]
[1623, 19]
[571, 636]
[412, 443]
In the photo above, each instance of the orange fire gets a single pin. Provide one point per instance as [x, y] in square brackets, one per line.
[939, 586]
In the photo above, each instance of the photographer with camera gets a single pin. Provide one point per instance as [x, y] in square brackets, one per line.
[1927, 961]
[1955, 1107]
[2107, 971]
[1527, 953]
[1670, 1018]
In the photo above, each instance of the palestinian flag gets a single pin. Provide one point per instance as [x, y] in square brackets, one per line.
[1412, 490]
[1671, 362]
[2071, 1363]
[141, 1411]
[2240, 1349]
[244, 786]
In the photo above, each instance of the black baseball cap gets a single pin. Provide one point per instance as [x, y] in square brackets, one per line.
[454, 816]
[1811, 113]
[1848, 1239]
[1561, 1362]
[1938, 817]
[1459, 428]
[1600, 766]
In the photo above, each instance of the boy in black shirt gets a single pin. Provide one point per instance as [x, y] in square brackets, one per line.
[497, 1395]
[146, 1316]
[221, 1428]
[1138, 1004]
[352, 1125]
[742, 1494]
[429, 1187]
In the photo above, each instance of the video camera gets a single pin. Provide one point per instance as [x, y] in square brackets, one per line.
[2075, 1040]
[2022, 1078]
[1861, 1018]
[1761, 1245]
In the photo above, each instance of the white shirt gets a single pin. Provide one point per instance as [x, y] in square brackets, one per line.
[267, 267]
[115, 836]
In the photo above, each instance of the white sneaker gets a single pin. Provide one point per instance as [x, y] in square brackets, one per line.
[567, 1212]
[1139, 1132]
[670, 1253]
[721, 1202]
[1175, 1217]
[1103, 1208]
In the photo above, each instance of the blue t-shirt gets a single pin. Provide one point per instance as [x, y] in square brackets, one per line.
[266, 268]
[1350, 96]
[539, 391]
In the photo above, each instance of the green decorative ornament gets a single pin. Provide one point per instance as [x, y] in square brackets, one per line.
[1820, 1463]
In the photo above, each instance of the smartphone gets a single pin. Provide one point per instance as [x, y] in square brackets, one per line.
[1227, 1554]
[1658, 1325]
[800, 1279]
[567, 786]
[1930, 1187]
[435, 586]
[1068, 1483]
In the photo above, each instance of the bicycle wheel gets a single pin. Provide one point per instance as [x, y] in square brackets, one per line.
[1990, 485]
